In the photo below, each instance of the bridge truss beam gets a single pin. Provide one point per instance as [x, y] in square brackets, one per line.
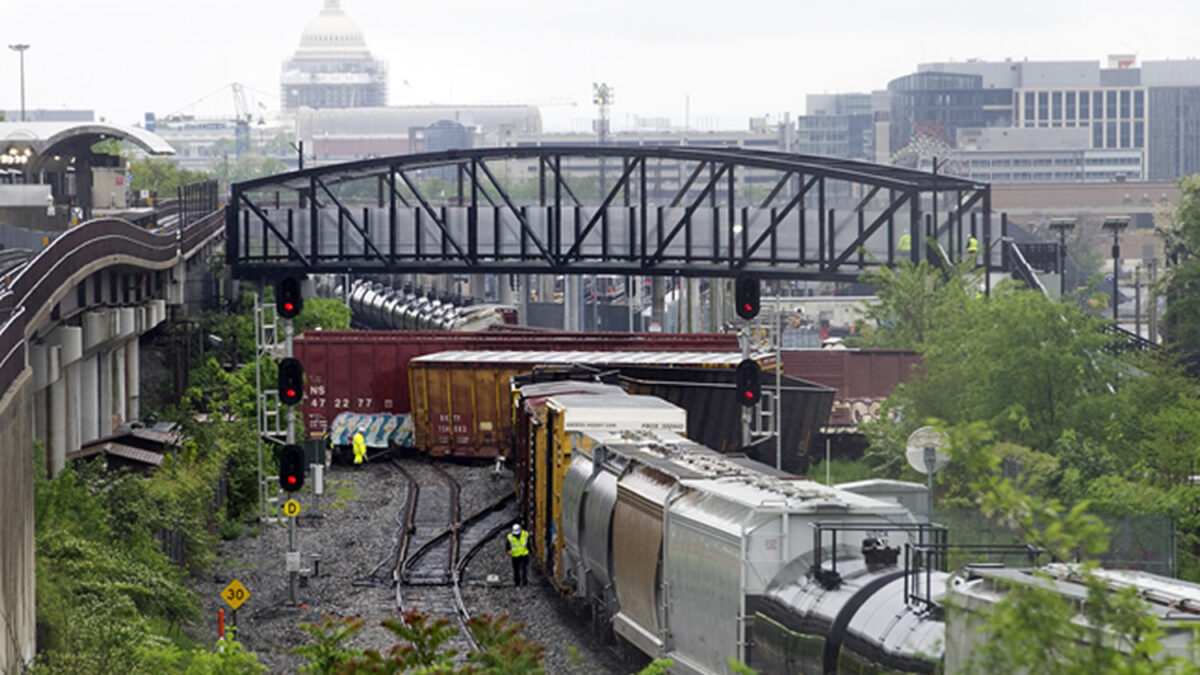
[688, 211]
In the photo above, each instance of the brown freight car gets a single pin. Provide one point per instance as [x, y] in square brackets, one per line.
[462, 405]
[367, 371]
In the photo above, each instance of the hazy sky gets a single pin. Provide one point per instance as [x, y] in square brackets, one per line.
[733, 59]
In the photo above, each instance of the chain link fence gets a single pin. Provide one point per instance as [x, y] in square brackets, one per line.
[1140, 542]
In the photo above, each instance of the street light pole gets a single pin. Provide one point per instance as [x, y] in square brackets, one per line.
[1062, 226]
[1116, 224]
[21, 50]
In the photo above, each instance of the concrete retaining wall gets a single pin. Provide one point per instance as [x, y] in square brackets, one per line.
[17, 615]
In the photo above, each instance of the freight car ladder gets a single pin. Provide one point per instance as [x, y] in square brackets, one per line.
[272, 422]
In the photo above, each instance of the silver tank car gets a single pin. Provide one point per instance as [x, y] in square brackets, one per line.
[861, 622]
[377, 306]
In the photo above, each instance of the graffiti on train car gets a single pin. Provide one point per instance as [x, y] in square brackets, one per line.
[382, 429]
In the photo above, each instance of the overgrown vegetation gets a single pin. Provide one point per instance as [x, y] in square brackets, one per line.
[109, 600]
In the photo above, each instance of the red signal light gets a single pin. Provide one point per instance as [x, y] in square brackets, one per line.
[291, 393]
[749, 394]
[287, 306]
[291, 480]
[748, 307]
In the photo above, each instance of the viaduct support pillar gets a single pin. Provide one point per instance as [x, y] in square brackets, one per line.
[118, 386]
[104, 381]
[132, 373]
[70, 340]
[56, 445]
[89, 399]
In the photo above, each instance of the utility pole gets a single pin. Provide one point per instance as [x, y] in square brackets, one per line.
[20, 49]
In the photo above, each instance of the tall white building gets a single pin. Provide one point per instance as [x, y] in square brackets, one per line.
[333, 67]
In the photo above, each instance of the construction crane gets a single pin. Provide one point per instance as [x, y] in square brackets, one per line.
[241, 134]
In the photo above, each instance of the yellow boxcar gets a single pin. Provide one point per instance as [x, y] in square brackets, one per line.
[462, 402]
[576, 420]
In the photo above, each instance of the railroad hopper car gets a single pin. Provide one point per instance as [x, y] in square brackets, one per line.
[462, 404]
[366, 372]
[557, 425]
[674, 545]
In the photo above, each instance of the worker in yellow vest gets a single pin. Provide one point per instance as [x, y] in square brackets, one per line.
[360, 447]
[973, 249]
[518, 550]
[905, 244]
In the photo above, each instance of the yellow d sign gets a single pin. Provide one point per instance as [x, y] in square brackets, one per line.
[291, 508]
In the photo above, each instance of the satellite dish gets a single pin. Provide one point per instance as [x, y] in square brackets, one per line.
[925, 450]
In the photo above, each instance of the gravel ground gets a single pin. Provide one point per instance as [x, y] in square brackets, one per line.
[359, 532]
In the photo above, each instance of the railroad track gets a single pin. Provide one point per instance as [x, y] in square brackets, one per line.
[436, 545]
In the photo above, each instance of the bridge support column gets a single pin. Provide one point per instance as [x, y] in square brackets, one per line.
[478, 288]
[545, 288]
[126, 329]
[572, 295]
[657, 304]
[89, 399]
[523, 309]
[118, 385]
[70, 341]
[56, 445]
[104, 383]
[132, 384]
[695, 325]
[716, 305]
[504, 288]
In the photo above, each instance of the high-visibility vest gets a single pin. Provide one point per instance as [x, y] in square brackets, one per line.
[360, 448]
[905, 242]
[972, 245]
[518, 544]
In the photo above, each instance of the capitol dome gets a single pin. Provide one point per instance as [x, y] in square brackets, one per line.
[332, 35]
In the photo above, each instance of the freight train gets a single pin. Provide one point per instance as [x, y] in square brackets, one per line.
[704, 558]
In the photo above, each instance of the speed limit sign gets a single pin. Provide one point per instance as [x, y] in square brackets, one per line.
[291, 508]
[235, 594]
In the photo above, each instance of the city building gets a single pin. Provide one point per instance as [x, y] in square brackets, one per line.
[1152, 108]
[836, 125]
[333, 67]
[1038, 154]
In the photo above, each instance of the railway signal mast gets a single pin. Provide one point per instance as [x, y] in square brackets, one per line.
[747, 296]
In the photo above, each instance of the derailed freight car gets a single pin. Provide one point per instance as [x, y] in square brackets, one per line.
[366, 372]
[703, 391]
[462, 405]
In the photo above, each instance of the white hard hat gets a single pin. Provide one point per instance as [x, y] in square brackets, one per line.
[516, 528]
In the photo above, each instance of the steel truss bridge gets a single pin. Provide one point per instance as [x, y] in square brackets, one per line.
[604, 209]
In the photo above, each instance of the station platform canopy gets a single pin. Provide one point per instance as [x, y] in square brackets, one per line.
[41, 142]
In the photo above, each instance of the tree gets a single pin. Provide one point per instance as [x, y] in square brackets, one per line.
[1036, 630]
[1182, 282]
[912, 301]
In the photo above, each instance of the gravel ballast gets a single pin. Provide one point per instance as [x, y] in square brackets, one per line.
[358, 533]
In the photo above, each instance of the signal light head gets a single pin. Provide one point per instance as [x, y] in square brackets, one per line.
[749, 382]
[747, 293]
[291, 381]
[291, 468]
[289, 298]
